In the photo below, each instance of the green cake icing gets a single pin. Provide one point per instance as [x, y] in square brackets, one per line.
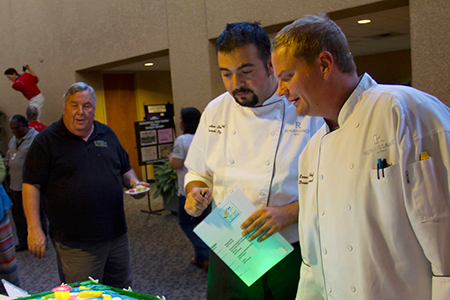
[89, 285]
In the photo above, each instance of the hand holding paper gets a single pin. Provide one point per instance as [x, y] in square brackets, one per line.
[270, 220]
[221, 231]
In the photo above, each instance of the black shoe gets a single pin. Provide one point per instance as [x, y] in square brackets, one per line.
[21, 248]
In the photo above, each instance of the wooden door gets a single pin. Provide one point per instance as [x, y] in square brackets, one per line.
[120, 103]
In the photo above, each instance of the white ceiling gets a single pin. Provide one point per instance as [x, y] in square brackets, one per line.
[388, 31]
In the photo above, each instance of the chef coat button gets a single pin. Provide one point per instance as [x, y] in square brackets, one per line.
[233, 132]
[349, 248]
[349, 207]
[356, 124]
[267, 162]
[231, 161]
[323, 212]
[231, 191]
[351, 166]
[353, 289]
[272, 133]
[325, 251]
[330, 289]
[321, 176]
[262, 193]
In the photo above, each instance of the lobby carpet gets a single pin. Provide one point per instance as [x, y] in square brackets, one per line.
[160, 257]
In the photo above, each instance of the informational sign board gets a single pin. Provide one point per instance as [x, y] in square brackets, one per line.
[155, 137]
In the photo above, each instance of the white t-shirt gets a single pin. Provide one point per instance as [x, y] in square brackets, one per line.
[180, 150]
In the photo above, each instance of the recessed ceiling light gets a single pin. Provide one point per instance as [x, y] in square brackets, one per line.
[149, 64]
[365, 21]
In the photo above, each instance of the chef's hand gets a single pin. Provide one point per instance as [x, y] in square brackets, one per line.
[269, 220]
[140, 195]
[197, 201]
[37, 242]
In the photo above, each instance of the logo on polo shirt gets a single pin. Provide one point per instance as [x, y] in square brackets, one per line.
[101, 144]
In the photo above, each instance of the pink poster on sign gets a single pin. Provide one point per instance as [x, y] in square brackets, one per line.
[165, 136]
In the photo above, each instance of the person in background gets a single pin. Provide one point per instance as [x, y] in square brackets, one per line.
[249, 139]
[189, 121]
[18, 148]
[80, 167]
[8, 261]
[32, 115]
[374, 188]
[26, 83]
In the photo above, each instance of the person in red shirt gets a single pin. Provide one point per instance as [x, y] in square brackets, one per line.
[32, 116]
[26, 83]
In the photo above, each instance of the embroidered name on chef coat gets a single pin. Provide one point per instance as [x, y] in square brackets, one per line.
[216, 128]
[101, 144]
[380, 145]
[305, 179]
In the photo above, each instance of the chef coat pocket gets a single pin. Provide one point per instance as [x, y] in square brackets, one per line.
[386, 186]
[307, 287]
[426, 191]
[440, 287]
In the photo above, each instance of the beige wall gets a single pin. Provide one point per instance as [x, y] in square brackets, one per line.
[76, 35]
[390, 67]
[430, 41]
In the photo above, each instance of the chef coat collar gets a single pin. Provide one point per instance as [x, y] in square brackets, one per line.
[347, 109]
[272, 99]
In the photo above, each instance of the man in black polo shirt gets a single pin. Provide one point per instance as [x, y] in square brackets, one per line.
[80, 167]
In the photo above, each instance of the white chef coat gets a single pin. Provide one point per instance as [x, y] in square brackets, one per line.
[253, 149]
[369, 234]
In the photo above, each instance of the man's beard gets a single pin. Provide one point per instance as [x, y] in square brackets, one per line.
[249, 103]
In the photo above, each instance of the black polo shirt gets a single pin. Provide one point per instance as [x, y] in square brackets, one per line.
[81, 182]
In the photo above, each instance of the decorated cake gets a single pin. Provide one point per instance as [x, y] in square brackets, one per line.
[88, 290]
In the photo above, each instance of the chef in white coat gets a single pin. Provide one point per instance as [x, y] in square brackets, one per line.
[250, 139]
[374, 216]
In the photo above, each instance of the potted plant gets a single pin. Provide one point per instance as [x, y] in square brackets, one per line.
[166, 185]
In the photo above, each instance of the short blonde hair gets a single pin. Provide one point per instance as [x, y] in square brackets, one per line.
[313, 34]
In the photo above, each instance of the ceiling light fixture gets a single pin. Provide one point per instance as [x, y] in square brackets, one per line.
[365, 21]
[149, 64]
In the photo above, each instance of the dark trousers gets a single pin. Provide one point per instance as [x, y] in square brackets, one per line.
[187, 224]
[21, 221]
[279, 283]
[110, 261]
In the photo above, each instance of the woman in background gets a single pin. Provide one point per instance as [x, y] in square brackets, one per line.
[8, 262]
[189, 121]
